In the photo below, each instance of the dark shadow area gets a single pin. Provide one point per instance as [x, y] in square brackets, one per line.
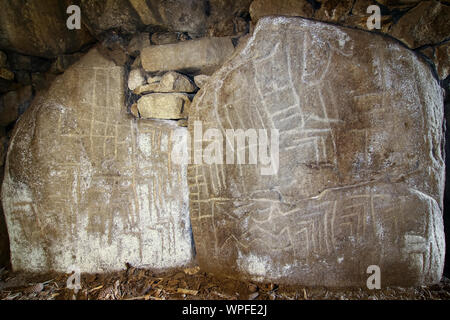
[446, 85]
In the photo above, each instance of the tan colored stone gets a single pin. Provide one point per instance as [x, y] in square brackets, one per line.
[169, 106]
[195, 56]
[134, 110]
[262, 8]
[360, 176]
[169, 82]
[88, 186]
[153, 79]
[136, 78]
[427, 23]
[200, 80]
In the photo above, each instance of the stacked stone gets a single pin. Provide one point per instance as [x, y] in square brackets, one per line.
[161, 76]
[165, 97]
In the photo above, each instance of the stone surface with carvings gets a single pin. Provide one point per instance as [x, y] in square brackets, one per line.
[87, 185]
[360, 175]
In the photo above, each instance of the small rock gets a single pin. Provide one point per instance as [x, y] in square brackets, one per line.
[6, 74]
[169, 82]
[136, 78]
[200, 80]
[164, 106]
[14, 104]
[204, 55]
[262, 8]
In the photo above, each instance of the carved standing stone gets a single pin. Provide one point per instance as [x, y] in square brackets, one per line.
[360, 178]
[87, 185]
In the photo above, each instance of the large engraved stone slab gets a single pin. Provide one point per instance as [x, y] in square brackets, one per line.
[360, 178]
[88, 186]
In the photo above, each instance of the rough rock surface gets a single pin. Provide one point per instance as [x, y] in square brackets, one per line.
[136, 78]
[86, 185]
[38, 28]
[360, 175]
[442, 60]
[200, 80]
[196, 56]
[427, 23]
[164, 106]
[169, 82]
[262, 8]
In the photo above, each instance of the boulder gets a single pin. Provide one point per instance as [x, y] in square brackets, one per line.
[169, 82]
[192, 16]
[204, 55]
[353, 175]
[88, 186]
[427, 23]
[103, 16]
[168, 106]
[38, 28]
[176, 15]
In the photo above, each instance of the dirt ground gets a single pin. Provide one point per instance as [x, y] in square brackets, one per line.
[189, 284]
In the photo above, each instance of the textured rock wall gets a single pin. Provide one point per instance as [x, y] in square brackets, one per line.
[86, 185]
[360, 178]
[36, 46]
